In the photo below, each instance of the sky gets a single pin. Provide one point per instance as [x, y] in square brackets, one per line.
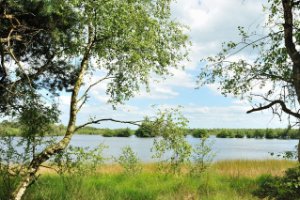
[210, 22]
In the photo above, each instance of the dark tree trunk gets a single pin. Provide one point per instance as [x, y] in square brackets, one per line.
[291, 49]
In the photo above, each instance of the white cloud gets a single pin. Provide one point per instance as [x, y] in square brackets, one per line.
[233, 116]
[211, 22]
[181, 78]
[158, 92]
[166, 88]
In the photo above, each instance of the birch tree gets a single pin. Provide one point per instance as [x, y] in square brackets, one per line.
[127, 40]
[276, 65]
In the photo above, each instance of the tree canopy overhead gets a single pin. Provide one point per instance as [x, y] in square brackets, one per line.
[34, 36]
[126, 40]
[272, 77]
[41, 39]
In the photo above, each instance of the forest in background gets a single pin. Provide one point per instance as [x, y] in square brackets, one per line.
[14, 129]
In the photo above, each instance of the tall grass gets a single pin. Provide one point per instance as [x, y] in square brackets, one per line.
[143, 187]
[252, 168]
[224, 180]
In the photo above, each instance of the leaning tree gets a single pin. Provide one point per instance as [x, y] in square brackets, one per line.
[126, 41]
[271, 79]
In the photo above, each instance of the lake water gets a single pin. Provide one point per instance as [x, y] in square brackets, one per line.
[224, 148]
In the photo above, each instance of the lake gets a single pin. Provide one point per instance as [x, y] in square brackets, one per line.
[224, 148]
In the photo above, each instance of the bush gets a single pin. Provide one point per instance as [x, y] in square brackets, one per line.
[280, 188]
[124, 132]
[199, 133]
[283, 135]
[258, 133]
[108, 133]
[171, 148]
[202, 157]
[129, 161]
[146, 129]
[270, 134]
[250, 134]
[239, 134]
[224, 134]
[74, 164]
[294, 134]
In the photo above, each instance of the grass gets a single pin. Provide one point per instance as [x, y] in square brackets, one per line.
[141, 187]
[224, 180]
[252, 168]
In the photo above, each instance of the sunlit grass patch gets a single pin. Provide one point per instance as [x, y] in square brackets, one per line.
[252, 168]
[235, 180]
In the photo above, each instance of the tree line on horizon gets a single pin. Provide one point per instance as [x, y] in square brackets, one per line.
[8, 128]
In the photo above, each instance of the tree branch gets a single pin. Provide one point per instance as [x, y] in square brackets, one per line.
[11, 52]
[281, 103]
[296, 3]
[136, 123]
[13, 37]
[93, 85]
[251, 43]
[84, 97]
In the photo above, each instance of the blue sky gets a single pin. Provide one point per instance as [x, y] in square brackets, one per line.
[211, 22]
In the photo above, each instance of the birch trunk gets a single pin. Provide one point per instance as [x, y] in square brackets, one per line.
[63, 143]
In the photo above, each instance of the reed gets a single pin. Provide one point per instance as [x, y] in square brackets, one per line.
[252, 168]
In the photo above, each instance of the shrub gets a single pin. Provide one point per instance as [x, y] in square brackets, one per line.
[199, 133]
[10, 173]
[283, 135]
[74, 164]
[202, 157]
[108, 133]
[280, 188]
[129, 161]
[250, 134]
[124, 132]
[270, 134]
[171, 146]
[79, 160]
[239, 134]
[295, 134]
[258, 133]
[225, 134]
[146, 129]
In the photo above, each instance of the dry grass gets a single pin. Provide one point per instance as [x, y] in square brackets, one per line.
[116, 168]
[252, 168]
[233, 168]
[105, 169]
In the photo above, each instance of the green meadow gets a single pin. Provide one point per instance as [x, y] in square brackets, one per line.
[236, 180]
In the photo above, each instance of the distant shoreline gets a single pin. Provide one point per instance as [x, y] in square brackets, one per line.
[14, 129]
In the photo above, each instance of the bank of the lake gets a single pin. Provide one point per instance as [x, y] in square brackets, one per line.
[234, 180]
